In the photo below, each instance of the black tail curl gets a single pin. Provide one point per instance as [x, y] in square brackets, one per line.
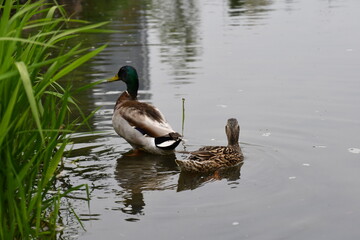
[169, 141]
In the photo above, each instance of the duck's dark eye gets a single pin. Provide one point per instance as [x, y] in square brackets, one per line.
[122, 73]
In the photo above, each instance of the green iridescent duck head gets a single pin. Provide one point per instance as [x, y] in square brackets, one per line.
[129, 76]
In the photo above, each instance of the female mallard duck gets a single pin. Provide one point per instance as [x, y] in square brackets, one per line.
[211, 158]
[142, 125]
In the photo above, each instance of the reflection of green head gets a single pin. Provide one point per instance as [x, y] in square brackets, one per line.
[128, 75]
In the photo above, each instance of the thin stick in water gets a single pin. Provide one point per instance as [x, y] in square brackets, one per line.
[183, 117]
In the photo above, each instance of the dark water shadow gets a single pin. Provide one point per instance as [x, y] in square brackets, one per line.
[192, 181]
[146, 172]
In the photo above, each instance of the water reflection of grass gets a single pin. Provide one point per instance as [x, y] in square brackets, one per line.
[34, 114]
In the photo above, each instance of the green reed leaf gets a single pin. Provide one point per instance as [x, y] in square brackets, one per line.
[16, 39]
[78, 62]
[5, 121]
[24, 75]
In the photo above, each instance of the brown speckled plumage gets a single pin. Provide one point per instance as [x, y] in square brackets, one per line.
[211, 158]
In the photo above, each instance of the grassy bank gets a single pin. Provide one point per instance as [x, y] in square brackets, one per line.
[34, 114]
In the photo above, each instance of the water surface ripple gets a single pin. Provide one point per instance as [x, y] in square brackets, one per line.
[287, 70]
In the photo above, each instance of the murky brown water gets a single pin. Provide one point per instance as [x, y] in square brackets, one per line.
[287, 70]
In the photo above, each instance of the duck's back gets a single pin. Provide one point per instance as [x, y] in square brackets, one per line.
[211, 158]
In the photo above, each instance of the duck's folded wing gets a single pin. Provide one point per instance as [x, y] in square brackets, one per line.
[201, 155]
[145, 117]
[205, 153]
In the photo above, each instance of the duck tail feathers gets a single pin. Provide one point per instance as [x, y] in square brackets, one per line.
[169, 141]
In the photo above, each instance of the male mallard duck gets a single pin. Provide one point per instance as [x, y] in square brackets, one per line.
[142, 125]
[211, 158]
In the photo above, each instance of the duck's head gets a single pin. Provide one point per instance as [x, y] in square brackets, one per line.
[232, 130]
[128, 75]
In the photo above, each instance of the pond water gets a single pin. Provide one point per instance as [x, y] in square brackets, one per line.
[288, 70]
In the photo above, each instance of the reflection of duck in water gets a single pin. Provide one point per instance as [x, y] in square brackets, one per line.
[211, 158]
[141, 124]
[193, 180]
[145, 172]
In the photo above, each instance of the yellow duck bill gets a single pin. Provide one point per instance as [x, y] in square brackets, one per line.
[115, 78]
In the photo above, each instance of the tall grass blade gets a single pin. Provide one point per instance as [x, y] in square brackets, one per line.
[35, 116]
[53, 165]
[78, 62]
[15, 39]
[5, 121]
[24, 74]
